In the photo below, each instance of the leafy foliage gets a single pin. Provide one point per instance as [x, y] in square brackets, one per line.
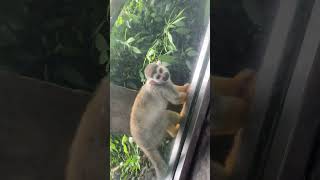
[149, 30]
[126, 158]
[55, 41]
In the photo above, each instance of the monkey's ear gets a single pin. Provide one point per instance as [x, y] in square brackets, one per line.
[150, 69]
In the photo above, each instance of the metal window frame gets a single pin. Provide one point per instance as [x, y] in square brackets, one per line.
[197, 105]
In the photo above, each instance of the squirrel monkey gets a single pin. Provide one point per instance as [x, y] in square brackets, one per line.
[232, 98]
[150, 120]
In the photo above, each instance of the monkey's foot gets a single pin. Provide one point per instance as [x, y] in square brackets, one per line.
[173, 130]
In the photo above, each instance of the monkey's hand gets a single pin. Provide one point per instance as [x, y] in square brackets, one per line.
[186, 88]
[183, 88]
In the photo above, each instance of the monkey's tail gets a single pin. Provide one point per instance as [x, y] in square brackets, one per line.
[157, 161]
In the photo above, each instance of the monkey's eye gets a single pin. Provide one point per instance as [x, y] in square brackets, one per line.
[160, 70]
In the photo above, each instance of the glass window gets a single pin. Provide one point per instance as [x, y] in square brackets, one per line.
[147, 32]
[254, 58]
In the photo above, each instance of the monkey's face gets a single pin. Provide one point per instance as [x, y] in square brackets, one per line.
[157, 73]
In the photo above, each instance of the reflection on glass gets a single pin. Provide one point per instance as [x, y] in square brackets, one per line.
[236, 52]
[152, 44]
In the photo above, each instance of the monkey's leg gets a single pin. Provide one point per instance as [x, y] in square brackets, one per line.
[232, 157]
[174, 119]
[173, 130]
[157, 161]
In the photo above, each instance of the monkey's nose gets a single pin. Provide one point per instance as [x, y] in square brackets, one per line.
[166, 76]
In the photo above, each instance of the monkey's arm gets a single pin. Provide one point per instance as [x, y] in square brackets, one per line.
[172, 95]
[183, 88]
[241, 85]
[174, 119]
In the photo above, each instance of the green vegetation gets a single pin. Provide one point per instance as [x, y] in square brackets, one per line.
[126, 158]
[148, 30]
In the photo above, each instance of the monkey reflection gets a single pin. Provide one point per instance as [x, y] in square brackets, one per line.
[231, 102]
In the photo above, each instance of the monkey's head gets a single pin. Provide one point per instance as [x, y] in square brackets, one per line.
[157, 73]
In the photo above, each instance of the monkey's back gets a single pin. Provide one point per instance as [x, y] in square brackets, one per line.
[147, 125]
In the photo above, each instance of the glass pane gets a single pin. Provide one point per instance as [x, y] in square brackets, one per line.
[255, 43]
[151, 44]
[254, 58]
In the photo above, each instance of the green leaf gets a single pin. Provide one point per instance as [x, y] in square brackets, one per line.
[150, 52]
[166, 58]
[188, 49]
[158, 19]
[123, 142]
[141, 76]
[179, 19]
[130, 40]
[180, 24]
[125, 149]
[182, 31]
[180, 13]
[128, 24]
[100, 42]
[189, 65]
[113, 147]
[136, 50]
[119, 21]
[170, 38]
[192, 53]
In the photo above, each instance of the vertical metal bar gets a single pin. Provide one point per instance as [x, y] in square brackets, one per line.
[196, 122]
[115, 9]
[178, 142]
[290, 115]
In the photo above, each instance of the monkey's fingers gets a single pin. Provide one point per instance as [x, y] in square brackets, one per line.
[180, 88]
[187, 87]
